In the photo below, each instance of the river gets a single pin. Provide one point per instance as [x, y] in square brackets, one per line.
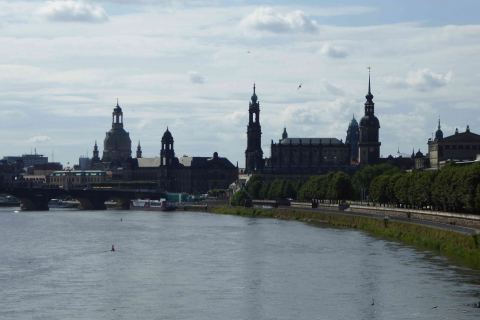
[192, 265]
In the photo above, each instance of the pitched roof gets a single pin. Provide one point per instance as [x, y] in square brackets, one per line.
[205, 162]
[463, 137]
[315, 141]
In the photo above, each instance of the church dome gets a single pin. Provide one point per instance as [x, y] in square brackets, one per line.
[117, 146]
[167, 137]
[419, 154]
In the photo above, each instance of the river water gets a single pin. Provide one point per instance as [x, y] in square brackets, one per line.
[189, 265]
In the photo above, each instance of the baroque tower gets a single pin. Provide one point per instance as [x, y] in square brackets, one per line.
[95, 157]
[139, 150]
[167, 154]
[369, 144]
[254, 154]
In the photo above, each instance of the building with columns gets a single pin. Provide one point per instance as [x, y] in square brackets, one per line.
[458, 147]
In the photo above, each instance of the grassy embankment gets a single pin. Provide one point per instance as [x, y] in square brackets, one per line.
[460, 248]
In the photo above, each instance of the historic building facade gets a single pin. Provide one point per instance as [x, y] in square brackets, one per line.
[185, 174]
[189, 174]
[316, 155]
[461, 146]
[307, 155]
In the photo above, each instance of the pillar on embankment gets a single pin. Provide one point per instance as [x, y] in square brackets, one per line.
[92, 203]
[36, 202]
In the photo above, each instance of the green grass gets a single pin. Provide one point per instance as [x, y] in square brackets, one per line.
[460, 248]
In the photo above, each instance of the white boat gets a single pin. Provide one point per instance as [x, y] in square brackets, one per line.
[152, 205]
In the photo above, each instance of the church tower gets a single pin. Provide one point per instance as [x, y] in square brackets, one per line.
[254, 154]
[95, 157]
[139, 150]
[352, 139]
[167, 153]
[369, 144]
[439, 132]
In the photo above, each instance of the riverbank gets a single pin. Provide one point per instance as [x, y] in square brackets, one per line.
[460, 248]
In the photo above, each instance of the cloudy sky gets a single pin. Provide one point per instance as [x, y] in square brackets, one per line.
[190, 65]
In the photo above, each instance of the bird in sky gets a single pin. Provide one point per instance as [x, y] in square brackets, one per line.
[299, 86]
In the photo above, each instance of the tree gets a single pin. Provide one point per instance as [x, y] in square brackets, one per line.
[289, 191]
[264, 190]
[240, 198]
[339, 186]
[254, 186]
[276, 189]
[363, 178]
[379, 189]
[421, 188]
[402, 189]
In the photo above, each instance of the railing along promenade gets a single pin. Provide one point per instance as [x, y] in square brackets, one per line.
[451, 218]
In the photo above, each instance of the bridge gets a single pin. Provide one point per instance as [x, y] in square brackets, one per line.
[91, 197]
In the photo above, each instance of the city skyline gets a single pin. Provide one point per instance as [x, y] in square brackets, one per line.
[64, 63]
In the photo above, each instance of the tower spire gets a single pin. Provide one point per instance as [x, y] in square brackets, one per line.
[369, 90]
[139, 150]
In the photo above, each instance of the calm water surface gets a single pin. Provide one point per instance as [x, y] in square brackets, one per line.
[57, 265]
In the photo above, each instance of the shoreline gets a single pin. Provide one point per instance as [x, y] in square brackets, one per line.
[460, 248]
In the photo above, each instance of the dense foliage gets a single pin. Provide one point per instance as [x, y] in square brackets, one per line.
[453, 188]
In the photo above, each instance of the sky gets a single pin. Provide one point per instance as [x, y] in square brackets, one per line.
[191, 65]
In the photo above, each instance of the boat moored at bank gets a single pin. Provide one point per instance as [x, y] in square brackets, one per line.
[152, 205]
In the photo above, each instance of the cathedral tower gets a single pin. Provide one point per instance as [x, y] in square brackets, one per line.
[254, 154]
[369, 144]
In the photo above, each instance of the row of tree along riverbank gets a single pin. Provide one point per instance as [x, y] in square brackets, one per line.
[453, 188]
[460, 248]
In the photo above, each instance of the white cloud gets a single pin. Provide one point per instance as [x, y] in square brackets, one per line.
[425, 79]
[333, 89]
[196, 78]
[267, 19]
[421, 79]
[39, 139]
[73, 11]
[333, 51]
